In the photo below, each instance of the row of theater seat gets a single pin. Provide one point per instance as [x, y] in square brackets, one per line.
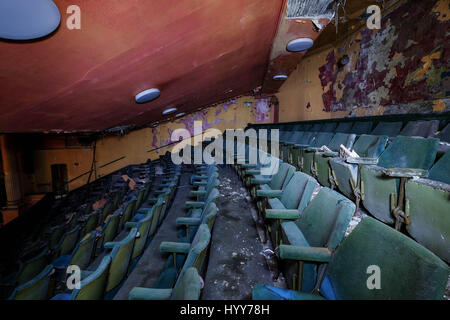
[180, 278]
[415, 128]
[307, 222]
[140, 210]
[401, 180]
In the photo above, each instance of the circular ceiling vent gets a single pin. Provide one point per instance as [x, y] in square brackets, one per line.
[300, 44]
[280, 77]
[28, 20]
[147, 95]
[170, 110]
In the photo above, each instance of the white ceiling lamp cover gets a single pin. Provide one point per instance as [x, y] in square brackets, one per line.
[170, 110]
[300, 44]
[28, 20]
[147, 95]
[180, 114]
[280, 77]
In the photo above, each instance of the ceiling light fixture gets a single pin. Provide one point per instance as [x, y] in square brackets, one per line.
[280, 77]
[28, 20]
[170, 110]
[147, 95]
[299, 45]
[180, 114]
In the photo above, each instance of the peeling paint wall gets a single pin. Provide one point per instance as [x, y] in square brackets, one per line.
[134, 147]
[402, 68]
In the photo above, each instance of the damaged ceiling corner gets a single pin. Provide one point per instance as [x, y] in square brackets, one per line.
[310, 9]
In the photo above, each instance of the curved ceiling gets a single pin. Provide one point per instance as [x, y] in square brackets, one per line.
[195, 52]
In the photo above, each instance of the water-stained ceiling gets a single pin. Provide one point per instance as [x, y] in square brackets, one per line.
[196, 52]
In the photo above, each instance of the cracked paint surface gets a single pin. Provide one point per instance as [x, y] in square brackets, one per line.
[402, 63]
[232, 114]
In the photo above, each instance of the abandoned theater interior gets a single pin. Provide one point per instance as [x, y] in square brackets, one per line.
[224, 150]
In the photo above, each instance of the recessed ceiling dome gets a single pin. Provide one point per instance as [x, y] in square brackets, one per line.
[300, 44]
[27, 20]
[170, 110]
[147, 95]
[280, 77]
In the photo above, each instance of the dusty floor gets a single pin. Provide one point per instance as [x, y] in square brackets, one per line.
[235, 262]
[152, 261]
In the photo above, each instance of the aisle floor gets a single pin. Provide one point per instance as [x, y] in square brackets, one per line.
[235, 260]
[152, 261]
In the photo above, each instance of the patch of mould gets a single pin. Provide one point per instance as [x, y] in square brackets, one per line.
[403, 63]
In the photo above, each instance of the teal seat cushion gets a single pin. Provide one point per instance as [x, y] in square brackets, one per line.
[62, 296]
[293, 234]
[275, 203]
[441, 169]
[196, 213]
[166, 279]
[62, 261]
[138, 217]
[266, 292]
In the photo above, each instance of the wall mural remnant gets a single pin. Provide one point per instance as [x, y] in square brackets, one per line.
[232, 114]
[401, 64]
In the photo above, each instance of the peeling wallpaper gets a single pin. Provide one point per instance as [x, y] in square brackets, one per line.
[139, 145]
[232, 114]
[403, 67]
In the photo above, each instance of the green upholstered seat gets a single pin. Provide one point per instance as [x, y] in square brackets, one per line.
[322, 225]
[120, 254]
[307, 154]
[344, 127]
[36, 288]
[127, 213]
[285, 144]
[294, 197]
[379, 191]
[140, 198]
[278, 181]
[31, 267]
[420, 128]
[295, 149]
[143, 227]
[390, 129]
[429, 208]
[406, 269]
[106, 210]
[67, 242]
[329, 127]
[201, 191]
[91, 221]
[361, 127]
[322, 169]
[345, 174]
[80, 256]
[188, 287]
[55, 234]
[444, 139]
[92, 287]
[108, 231]
[190, 224]
[183, 256]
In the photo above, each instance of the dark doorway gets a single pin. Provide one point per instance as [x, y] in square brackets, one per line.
[59, 179]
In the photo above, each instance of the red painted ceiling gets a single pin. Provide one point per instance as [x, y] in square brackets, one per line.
[196, 52]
